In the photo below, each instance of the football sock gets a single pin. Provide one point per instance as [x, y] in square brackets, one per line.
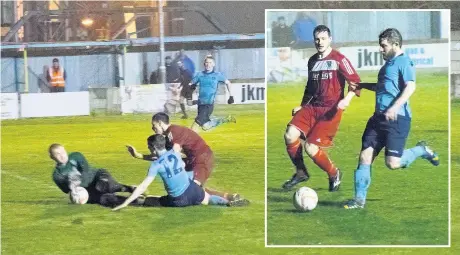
[217, 193]
[322, 160]
[294, 151]
[410, 155]
[214, 123]
[216, 200]
[182, 107]
[362, 182]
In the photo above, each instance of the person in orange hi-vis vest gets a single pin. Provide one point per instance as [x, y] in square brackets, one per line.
[56, 77]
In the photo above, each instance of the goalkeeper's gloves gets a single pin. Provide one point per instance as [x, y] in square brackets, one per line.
[74, 179]
[230, 100]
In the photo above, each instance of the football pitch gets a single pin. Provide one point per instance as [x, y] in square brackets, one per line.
[38, 219]
[405, 207]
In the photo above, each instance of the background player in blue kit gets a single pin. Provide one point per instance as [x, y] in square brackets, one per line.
[182, 190]
[208, 81]
[389, 126]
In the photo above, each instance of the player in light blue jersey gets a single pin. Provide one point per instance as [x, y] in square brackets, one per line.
[389, 126]
[182, 190]
[208, 81]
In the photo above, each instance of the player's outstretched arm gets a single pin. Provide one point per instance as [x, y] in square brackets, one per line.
[227, 85]
[149, 157]
[194, 82]
[345, 102]
[230, 98]
[135, 154]
[61, 181]
[82, 162]
[368, 85]
[74, 180]
[137, 192]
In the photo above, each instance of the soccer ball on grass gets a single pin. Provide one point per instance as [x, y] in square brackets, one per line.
[305, 199]
[80, 196]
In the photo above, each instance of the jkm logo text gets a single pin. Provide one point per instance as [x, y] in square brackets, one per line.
[369, 58]
[249, 93]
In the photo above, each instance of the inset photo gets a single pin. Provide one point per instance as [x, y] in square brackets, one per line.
[357, 128]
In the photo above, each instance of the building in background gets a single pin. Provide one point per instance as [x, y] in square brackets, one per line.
[59, 20]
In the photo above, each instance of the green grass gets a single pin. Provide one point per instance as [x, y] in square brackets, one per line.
[37, 218]
[405, 207]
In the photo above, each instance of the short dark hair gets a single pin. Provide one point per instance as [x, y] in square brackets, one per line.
[161, 116]
[392, 35]
[321, 28]
[55, 60]
[53, 147]
[281, 18]
[157, 141]
[168, 57]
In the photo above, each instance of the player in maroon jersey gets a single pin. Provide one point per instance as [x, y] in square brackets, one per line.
[199, 156]
[317, 119]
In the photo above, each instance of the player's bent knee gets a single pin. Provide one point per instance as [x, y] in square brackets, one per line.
[311, 149]
[291, 135]
[392, 164]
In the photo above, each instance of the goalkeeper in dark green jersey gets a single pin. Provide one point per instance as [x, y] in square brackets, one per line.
[72, 171]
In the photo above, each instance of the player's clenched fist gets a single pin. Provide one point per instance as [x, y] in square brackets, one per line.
[296, 110]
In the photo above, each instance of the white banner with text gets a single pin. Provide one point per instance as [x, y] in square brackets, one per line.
[55, 104]
[151, 98]
[248, 93]
[423, 55]
[10, 106]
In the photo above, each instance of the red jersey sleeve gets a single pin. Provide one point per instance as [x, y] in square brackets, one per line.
[347, 70]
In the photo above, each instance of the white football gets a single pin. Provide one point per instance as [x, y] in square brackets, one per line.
[80, 196]
[305, 199]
